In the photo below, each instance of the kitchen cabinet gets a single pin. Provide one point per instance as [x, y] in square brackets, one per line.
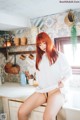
[35, 114]
[10, 91]
[15, 94]
[10, 108]
[6, 107]
[13, 108]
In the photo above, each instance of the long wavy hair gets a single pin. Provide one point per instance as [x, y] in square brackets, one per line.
[52, 54]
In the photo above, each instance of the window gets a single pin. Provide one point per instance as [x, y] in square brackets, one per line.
[64, 45]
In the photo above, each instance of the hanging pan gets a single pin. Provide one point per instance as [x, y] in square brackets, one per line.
[12, 68]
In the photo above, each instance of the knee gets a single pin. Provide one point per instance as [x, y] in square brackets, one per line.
[21, 113]
[49, 116]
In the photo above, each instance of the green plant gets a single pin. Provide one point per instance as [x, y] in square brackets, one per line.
[74, 38]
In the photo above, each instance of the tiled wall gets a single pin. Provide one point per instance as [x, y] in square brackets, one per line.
[25, 65]
[55, 25]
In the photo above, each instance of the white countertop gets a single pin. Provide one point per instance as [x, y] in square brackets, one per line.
[15, 90]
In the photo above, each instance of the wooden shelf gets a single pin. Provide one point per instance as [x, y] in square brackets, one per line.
[22, 52]
[6, 50]
[17, 46]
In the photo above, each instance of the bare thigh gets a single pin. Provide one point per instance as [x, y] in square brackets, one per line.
[32, 102]
[54, 103]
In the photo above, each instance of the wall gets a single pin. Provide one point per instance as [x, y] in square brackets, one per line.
[55, 25]
[25, 65]
[13, 22]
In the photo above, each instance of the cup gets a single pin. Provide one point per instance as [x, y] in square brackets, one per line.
[30, 81]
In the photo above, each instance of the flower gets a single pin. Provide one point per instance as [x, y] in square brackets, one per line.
[28, 75]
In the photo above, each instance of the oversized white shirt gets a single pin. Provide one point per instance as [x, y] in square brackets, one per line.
[49, 75]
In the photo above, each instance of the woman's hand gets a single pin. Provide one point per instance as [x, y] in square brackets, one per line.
[60, 84]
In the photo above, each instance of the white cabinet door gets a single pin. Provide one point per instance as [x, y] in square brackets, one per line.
[13, 107]
[36, 114]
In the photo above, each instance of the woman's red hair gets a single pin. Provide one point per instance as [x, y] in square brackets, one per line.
[50, 49]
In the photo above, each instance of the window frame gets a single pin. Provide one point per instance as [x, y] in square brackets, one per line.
[59, 42]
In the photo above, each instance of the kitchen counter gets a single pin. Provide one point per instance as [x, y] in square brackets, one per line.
[14, 95]
[15, 90]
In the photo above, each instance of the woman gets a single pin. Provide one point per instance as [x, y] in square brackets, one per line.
[52, 73]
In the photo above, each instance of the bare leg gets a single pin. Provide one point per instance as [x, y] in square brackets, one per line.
[54, 103]
[32, 102]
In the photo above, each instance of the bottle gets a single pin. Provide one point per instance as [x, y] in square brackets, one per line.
[23, 79]
[26, 80]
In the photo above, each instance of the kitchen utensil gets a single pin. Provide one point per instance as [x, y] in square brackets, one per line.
[12, 68]
[15, 67]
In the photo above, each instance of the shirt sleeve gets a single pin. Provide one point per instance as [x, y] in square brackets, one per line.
[37, 75]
